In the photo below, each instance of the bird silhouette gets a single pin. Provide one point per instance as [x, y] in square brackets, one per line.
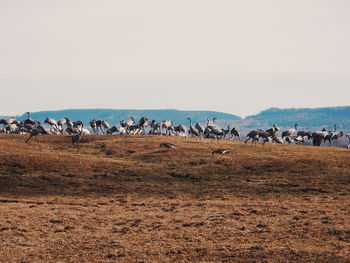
[220, 151]
[167, 145]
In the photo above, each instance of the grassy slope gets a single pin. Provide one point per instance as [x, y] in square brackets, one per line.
[125, 198]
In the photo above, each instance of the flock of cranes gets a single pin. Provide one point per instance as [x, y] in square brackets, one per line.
[294, 135]
[145, 126]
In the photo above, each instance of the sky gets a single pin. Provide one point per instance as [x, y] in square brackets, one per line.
[238, 57]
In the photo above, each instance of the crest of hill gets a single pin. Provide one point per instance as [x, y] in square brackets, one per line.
[115, 116]
[306, 117]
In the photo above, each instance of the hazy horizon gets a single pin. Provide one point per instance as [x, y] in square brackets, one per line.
[132, 109]
[228, 56]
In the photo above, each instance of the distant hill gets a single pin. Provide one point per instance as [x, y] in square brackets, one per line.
[305, 117]
[115, 116]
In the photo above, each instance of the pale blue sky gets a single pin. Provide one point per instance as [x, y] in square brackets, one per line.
[238, 57]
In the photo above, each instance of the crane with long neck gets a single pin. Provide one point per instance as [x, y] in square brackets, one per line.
[193, 129]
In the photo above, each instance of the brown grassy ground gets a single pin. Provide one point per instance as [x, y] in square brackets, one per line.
[125, 199]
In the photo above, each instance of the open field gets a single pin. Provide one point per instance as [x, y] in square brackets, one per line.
[124, 199]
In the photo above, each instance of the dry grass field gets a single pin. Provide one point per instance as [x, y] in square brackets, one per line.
[124, 199]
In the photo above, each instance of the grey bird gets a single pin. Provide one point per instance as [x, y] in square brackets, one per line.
[35, 132]
[220, 151]
[193, 130]
[167, 145]
[290, 132]
[76, 138]
[235, 133]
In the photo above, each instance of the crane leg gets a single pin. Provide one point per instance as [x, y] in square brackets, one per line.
[30, 137]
